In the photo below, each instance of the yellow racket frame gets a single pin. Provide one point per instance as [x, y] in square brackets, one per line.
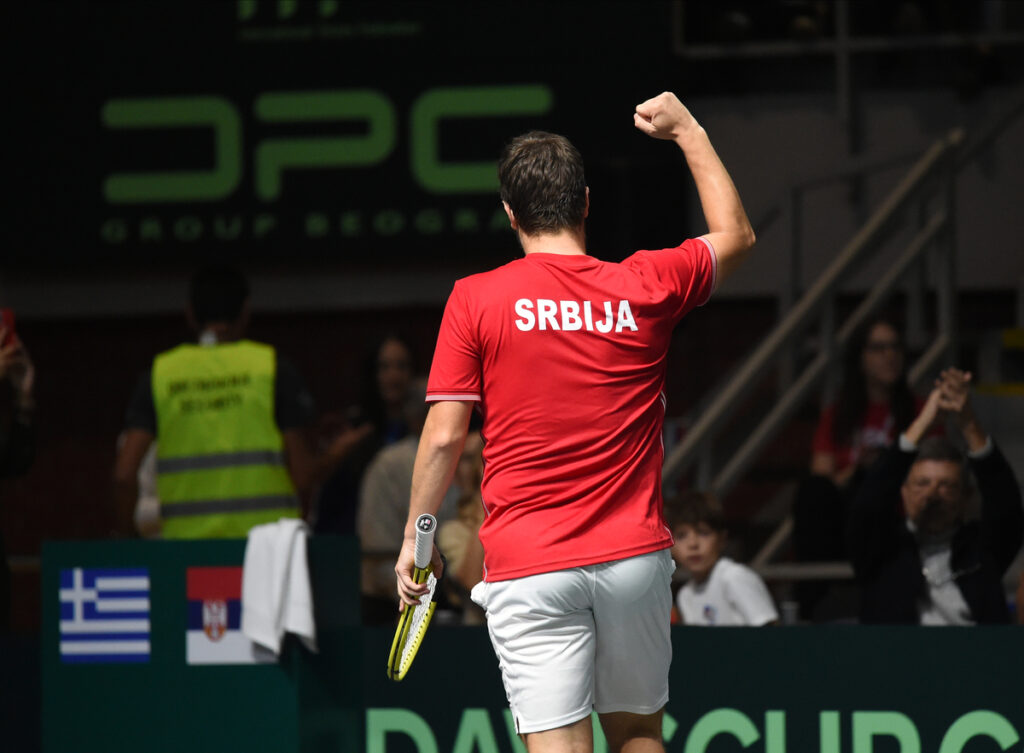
[397, 668]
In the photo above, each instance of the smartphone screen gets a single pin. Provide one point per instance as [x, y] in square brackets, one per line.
[7, 316]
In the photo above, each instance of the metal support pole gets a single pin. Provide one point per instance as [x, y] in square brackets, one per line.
[704, 469]
[844, 89]
[847, 108]
[915, 312]
[791, 288]
[915, 287]
[827, 334]
[946, 278]
[1020, 302]
[796, 252]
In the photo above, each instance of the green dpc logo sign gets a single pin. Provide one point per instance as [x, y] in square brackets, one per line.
[378, 128]
[891, 730]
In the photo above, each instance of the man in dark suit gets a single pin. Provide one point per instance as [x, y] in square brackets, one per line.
[922, 561]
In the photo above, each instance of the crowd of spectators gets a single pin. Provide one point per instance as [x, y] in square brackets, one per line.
[886, 490]
[228, 426]
[912, 492]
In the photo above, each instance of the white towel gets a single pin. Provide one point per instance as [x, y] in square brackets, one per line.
[276, 595]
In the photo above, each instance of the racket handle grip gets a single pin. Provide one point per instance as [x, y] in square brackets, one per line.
[426, 526]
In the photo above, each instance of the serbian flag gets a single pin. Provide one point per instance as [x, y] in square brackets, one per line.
[214, 634]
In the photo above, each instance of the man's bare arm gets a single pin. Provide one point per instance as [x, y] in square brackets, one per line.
[729, 230]
[441, 442]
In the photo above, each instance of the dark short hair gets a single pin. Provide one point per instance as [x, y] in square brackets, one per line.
[694, 508]
[542, 181]
[217, 294]
[940, 448]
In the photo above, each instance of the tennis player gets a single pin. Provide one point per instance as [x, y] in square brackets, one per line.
[565, 357]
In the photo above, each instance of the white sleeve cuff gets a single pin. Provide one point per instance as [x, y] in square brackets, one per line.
[455, 397]
[984, 452]
[906, 445]
[714, 269]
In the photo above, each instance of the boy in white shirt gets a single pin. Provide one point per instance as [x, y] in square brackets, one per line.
[720, 591]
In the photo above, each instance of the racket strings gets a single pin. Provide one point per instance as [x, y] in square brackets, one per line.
[418, 622]
[412, 626]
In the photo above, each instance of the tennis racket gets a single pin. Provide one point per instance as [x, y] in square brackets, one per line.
[415, 620]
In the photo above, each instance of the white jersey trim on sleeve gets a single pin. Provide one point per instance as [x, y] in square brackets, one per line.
[714, 269]
[461, 398]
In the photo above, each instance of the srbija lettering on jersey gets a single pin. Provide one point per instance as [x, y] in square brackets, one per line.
[572, 316]
[566, 356]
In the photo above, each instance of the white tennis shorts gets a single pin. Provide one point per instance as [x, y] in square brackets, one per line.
[588, 638]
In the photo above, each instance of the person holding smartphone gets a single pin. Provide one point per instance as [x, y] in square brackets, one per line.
[17, 444]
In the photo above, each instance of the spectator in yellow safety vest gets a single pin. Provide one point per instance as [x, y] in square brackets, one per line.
[230, 416]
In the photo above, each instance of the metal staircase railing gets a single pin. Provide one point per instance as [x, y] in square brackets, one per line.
[929, 188]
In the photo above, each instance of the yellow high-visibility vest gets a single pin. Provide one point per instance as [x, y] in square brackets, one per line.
[220, 456]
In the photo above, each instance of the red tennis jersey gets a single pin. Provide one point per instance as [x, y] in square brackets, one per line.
[566, 357]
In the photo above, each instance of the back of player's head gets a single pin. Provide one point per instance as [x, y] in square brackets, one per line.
[542, 182]
[695, 508]
[218, 294]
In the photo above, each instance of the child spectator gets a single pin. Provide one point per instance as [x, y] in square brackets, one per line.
[720, 591]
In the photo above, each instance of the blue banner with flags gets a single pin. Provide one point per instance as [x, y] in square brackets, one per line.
[104, 615]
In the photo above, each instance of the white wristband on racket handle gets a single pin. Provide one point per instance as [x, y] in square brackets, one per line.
[426, 525]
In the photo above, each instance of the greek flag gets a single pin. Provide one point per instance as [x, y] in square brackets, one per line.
[104, 615]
